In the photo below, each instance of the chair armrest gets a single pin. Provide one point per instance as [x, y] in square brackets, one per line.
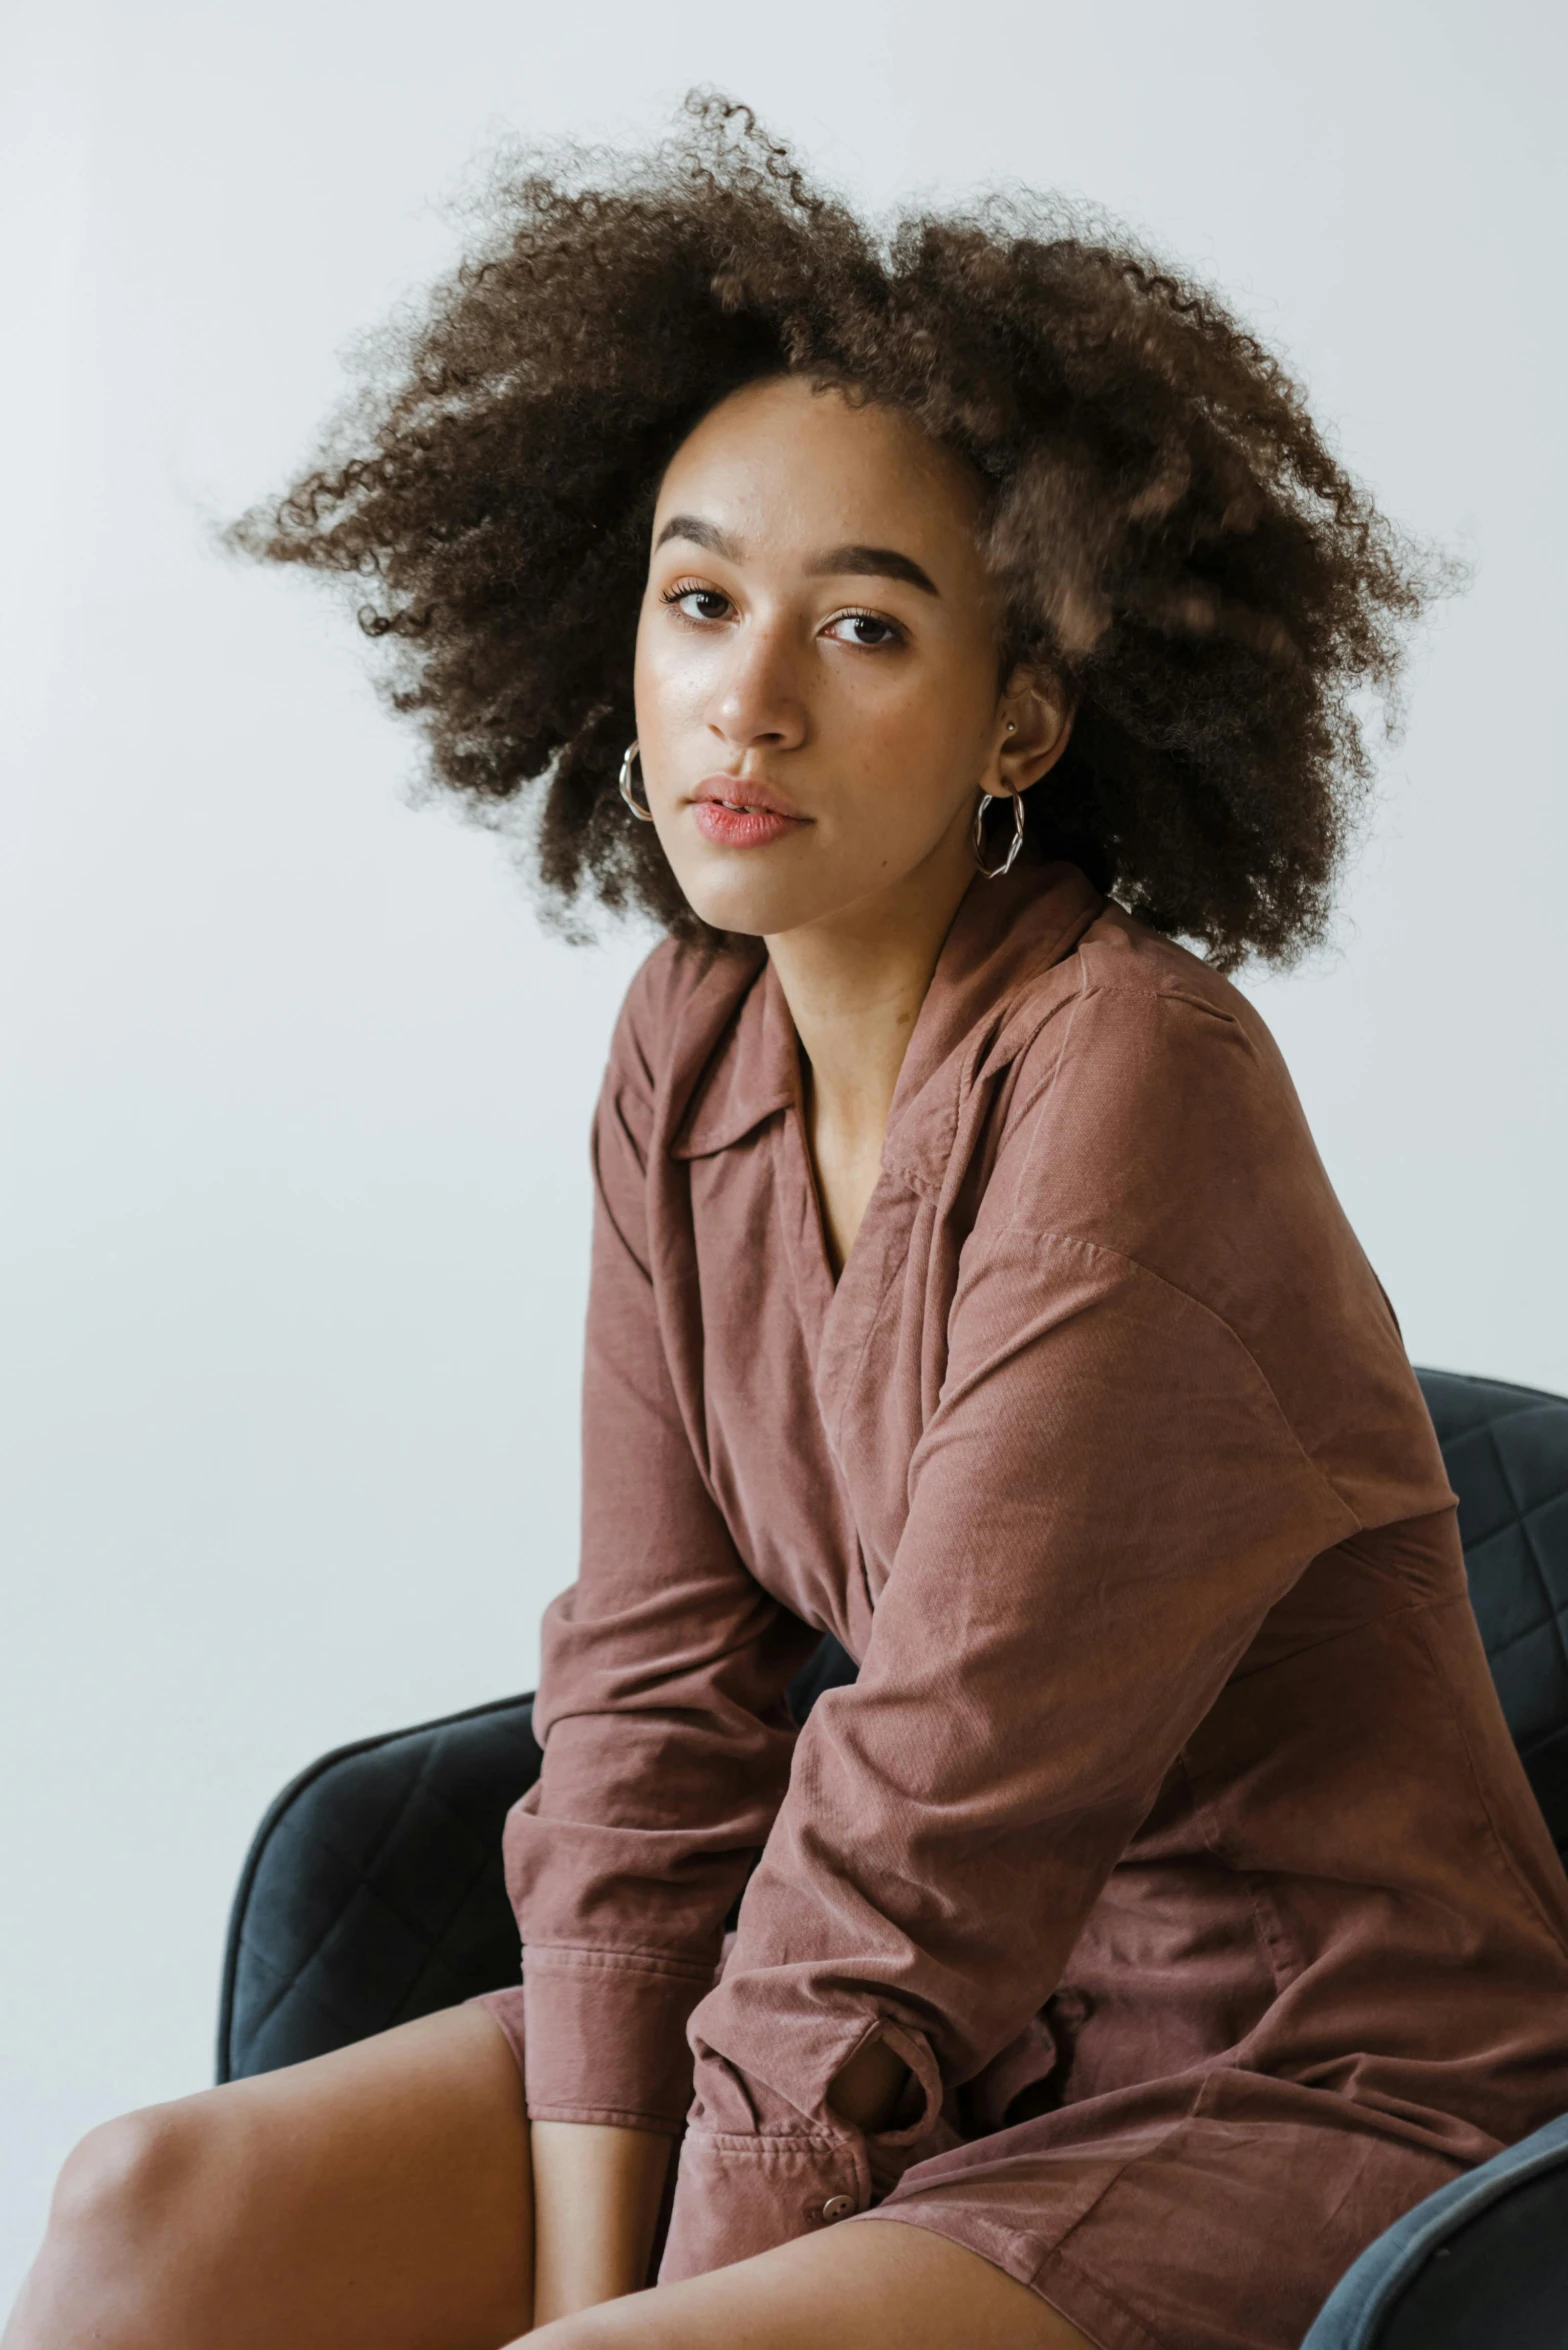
[1480, 2264]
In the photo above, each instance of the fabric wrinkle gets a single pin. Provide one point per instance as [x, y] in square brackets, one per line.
[1143, 1832]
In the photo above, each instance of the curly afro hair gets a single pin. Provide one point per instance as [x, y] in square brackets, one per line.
[1169, 531]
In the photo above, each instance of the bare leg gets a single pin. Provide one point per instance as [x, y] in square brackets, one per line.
[380, 2199]
[377, 2199]
[869, 2286]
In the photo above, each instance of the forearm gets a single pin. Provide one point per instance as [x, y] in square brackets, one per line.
[596, 2204]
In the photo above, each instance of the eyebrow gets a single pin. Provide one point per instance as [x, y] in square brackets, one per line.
[852, 559]
[874, 563]
[701, 534]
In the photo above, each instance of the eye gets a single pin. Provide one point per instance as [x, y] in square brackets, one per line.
[695, 602]
[867, 630]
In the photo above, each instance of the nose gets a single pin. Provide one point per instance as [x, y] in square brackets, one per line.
[759, 699]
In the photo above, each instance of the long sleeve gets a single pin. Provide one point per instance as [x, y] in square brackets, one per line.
[661, 1709]
[1103, 1506]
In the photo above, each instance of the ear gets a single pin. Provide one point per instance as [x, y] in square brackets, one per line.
[1038, 707]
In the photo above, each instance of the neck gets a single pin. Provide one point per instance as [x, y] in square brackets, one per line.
[854, 984]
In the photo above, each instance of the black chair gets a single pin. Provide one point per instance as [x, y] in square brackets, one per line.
[373, 1892]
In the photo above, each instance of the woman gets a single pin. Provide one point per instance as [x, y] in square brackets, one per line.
[1163, 1911]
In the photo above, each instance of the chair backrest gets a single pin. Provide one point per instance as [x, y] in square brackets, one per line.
[1506, 1451]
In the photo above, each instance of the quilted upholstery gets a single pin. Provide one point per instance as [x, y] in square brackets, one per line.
[373, 1891]
[1506, 1450]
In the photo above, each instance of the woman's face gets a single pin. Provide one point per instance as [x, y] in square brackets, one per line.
[816, 678]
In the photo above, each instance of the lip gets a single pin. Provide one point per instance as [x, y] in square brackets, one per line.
[739, 814]
[740, 791]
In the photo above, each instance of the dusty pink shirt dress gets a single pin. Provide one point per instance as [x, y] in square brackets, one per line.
[1172, 1833]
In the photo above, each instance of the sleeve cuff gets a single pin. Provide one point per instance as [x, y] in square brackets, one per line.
[740, 2191]
[606, 2036]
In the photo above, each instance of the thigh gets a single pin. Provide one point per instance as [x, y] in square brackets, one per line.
[374, 2199]
[851, 2288]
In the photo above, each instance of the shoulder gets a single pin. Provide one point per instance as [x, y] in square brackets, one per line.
[1151, 1117]
[1137, 1043]
[1151, 1113]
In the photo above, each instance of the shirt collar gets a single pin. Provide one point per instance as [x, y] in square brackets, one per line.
[980, 1007]
[754, 1068]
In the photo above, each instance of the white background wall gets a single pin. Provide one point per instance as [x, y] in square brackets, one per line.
[295, 1090]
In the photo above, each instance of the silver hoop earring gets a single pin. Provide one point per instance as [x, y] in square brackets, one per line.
[644, 815]
[996, 872]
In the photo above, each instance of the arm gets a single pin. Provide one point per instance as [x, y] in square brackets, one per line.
[666, 1737]
[1104, 1505]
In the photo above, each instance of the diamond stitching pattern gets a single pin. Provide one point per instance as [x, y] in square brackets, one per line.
[1507, 1454]
[374, 1891]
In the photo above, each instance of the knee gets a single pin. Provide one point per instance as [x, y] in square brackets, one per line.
[116, 2211]
[125, 2176]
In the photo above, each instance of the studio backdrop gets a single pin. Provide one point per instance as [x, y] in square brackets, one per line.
[296, 1085]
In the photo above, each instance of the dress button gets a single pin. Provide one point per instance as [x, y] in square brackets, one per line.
[837, 2207]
